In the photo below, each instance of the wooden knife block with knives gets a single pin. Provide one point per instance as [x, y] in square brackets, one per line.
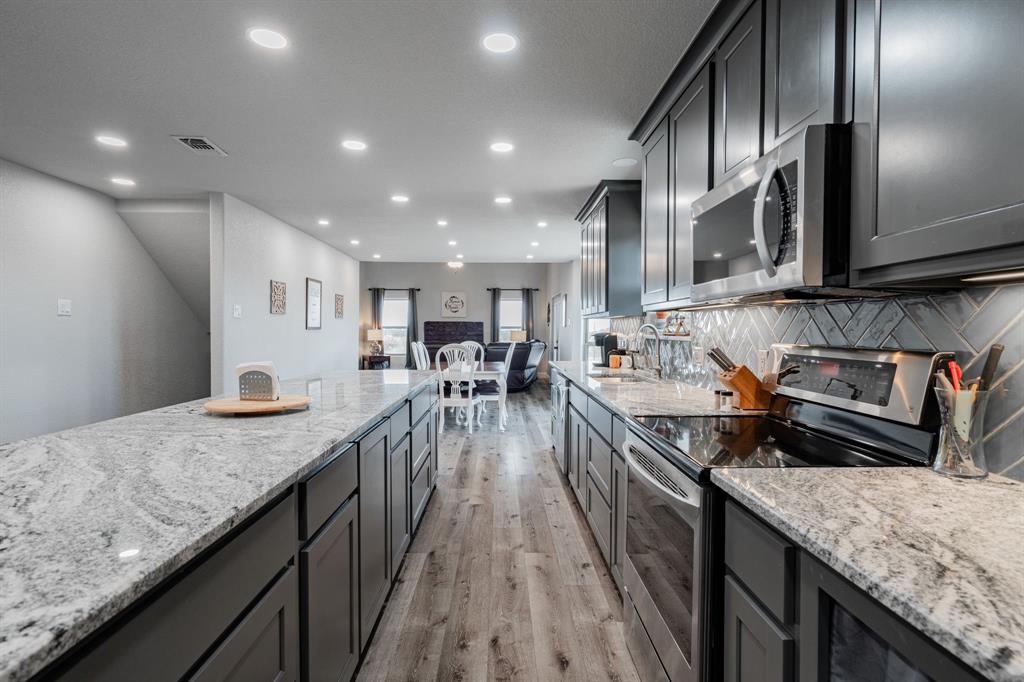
[752, 393]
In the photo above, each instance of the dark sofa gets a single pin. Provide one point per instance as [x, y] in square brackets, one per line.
[525, 359]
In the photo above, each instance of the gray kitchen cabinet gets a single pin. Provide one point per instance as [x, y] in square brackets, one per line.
[435, 449]
[800, 80]
[937, 139]
[374, 549]
[577, 454]
[756, 649]
[618, 543]
[329, 579]
[690, 133]
[610, 250]
[738, 85]
[263, 646]
[400, 518]
[655, 216]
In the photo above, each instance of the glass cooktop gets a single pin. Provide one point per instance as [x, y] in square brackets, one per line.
[758, 442]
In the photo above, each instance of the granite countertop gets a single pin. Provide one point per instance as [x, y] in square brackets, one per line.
[93, 517]
[651, 398]
[945, 555]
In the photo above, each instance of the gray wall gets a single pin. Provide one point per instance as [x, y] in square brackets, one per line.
[131, 342]
[967, 322]
[473, 278]
[248, 249]
[564, 278]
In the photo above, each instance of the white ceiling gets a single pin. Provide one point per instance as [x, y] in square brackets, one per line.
[409, 78]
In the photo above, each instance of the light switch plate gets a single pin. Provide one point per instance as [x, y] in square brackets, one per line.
[762, 362]
[63, 307]
[698, 355]
[236, 311]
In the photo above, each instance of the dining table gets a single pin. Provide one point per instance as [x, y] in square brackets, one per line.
[486, 371]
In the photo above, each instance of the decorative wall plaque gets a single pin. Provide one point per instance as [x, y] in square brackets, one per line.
[278, 297]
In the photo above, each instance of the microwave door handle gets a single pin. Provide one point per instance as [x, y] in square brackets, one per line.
[642, 472]
[760, 236]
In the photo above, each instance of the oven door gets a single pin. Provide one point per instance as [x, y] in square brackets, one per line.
[762, 230]
[662, 572]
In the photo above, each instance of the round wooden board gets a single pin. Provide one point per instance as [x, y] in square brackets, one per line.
[236, 406]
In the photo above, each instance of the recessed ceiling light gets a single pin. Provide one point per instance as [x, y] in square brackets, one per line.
[534, 243]
[502, 147]
[127, 182]
[452, 243]
[442, 223]
[624, 162]
[459, 256]
[376, 255]
[542, 224]
[716, 254]
[500, 42]
[503, 200]
[354, 242]
[264, 37]
[399, 198]
[354, 145]
[529, 256]
[111, 141]
[323, 221]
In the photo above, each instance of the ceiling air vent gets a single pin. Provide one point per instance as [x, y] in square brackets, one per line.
[200, 145]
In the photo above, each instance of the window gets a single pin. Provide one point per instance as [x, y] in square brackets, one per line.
[510, 314]
[394, 317]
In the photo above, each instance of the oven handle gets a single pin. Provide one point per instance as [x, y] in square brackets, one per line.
[641, 470]
[760, 235]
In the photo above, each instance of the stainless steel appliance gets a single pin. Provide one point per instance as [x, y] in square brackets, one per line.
[832, 407]
[559, 410]
[780, 226]
[606, 342]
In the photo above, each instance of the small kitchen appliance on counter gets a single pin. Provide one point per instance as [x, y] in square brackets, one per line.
[829, 407]
[259, 392]
[607, 342]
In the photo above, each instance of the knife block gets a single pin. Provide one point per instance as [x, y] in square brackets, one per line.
[752, 393]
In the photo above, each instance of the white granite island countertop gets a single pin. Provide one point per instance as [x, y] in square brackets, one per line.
[945, 555]
[93, 517]
[650, 398]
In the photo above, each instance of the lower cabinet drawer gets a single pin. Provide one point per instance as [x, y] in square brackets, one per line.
[169, 635]
[420, 443]
[399, 420]
[578, 399]
[599, 516]
[421, 493]
[599, 462]
[420, 403]
[264, 647]
[763, 560]
[326, 489]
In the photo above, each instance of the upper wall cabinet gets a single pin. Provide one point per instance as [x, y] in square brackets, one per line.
[938, 94]
[738, 96]
[655, 216]
[800, 81]
[610, 250]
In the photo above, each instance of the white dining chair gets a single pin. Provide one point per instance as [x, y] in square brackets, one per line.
[455, 382]
[497, 391]
[420, 355]
[476, 352]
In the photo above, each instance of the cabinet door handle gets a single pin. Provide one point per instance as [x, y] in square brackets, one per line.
[760, 236]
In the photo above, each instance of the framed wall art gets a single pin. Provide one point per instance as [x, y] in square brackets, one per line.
[339, 306]
[453, 304]
[314, 294]
[278, 297]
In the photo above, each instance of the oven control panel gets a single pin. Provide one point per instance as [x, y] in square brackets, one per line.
[864, 381]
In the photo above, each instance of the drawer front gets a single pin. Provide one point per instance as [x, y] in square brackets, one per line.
[578, 399]
[169, 635]
[421, 493]
[400, 424]
[600, 418]
[420, 403]
[763, 560]
[326, 489]
[421, 442]
[599, 464]
[599, 516]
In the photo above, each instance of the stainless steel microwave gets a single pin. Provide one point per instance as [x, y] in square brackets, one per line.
[780, 225]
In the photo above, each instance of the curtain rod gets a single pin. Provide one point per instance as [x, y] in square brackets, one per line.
[392, 289]
[511, 288]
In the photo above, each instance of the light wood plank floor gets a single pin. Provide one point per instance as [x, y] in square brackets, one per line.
[504, 580]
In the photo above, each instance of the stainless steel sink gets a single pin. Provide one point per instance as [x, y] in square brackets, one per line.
[616, 378]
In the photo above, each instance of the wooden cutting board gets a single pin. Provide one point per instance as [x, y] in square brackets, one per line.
[236, 406]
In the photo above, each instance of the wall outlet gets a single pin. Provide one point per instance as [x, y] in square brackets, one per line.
[237, 311]
[762, 362]
[63, 307]
[698, 355]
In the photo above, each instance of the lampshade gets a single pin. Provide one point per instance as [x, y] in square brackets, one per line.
[374, 334]
[517, 335]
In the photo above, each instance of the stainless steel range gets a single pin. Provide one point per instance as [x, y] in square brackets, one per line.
[832, 407]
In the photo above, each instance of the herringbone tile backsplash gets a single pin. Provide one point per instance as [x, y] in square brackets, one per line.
[966, 322]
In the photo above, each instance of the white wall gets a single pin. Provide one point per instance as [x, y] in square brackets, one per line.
[473, 278]
[131, 342]
[249, 248]
[564, 278]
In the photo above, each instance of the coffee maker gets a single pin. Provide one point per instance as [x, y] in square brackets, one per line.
[607, 342]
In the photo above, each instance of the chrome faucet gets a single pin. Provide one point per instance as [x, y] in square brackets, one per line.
[652, 363]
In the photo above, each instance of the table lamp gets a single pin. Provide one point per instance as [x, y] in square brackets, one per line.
[377, 336]
[517, 336]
